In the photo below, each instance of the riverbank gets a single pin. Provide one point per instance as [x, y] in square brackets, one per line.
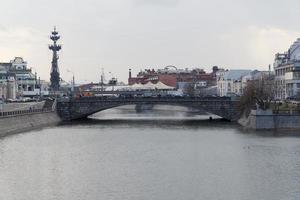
[21, 123]
[266, 120]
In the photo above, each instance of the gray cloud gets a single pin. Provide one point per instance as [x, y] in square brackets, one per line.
[156, 2]
[118, 34]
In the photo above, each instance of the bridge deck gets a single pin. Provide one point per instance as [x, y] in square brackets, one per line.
[147, 99]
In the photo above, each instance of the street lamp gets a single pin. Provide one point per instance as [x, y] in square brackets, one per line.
[73, 79]
[40, 88]
[1, 106]
[35, 74]
[111, 81]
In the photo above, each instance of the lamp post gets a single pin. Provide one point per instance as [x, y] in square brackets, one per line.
[102, 80]
[35, 74]
[1, 106]
[36, 84]
[111, 82]
[40, 88]
[73, 80]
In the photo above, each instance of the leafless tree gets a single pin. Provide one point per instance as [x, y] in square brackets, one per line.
[190, 89]
[258, 93]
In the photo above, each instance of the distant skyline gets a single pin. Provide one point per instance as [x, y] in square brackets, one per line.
[120, 34]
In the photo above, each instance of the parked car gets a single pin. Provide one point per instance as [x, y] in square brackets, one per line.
[26, 99]
[10, 100]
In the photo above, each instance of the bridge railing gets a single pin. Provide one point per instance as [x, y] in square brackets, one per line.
[112, 99]
[23, 112]
[286, 112]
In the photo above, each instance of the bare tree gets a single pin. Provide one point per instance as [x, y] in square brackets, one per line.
[189, 89]
[259, 93]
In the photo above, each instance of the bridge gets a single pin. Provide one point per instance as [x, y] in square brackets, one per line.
[77, 108]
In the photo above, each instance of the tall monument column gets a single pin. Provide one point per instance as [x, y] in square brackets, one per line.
[54, 75]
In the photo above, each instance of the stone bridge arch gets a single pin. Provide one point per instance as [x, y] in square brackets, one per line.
[72, 109]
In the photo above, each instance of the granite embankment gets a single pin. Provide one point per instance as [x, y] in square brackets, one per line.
[27, 122]
[25, 117]
[266, 120]
[9, 107]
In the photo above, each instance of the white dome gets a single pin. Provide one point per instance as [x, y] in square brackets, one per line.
[295, 50]
[2, 69]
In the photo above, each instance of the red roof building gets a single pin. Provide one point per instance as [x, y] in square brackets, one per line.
[171, 76]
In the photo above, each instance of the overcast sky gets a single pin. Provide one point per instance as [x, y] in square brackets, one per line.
[122, 34]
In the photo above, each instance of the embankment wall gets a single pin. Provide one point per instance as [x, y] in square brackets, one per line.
[267, 120]
[27, 122]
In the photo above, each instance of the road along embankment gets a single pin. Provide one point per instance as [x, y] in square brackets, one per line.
[8, 107]
[21, 122]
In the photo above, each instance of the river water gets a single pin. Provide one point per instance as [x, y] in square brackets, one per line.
[169, 154]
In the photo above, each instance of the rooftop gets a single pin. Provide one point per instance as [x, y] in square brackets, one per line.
[236, 74]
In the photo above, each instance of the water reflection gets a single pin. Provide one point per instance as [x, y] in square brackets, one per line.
[119, 154]
[170, 117]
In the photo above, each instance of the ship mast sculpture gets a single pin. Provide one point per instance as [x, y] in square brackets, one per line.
[54, 75]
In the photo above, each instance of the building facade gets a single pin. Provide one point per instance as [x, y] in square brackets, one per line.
[17, 80]
[229, 82]
[234, 82]
[8, 84]
[25, 79]
[174, 77]
[287, 72]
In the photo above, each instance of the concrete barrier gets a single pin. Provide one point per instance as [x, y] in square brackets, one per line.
[27, 122]
[266, 120]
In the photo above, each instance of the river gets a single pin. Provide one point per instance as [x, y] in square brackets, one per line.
[164, 154]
